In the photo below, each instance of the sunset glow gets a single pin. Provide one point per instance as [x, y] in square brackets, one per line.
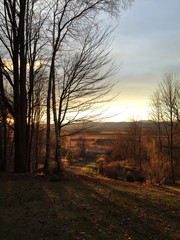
[146, 46]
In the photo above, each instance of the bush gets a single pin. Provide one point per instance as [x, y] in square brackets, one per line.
[70, 158]
[157, 167]
[111, 172]
[140, 179]
[130, 178]
[100, 163]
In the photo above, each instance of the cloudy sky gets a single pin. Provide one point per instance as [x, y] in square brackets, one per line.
[146, 45]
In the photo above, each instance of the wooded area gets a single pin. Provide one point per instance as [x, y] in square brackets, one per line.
[51, 61]
[55, 65]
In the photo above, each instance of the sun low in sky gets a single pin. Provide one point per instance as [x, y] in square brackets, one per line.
[146, 45]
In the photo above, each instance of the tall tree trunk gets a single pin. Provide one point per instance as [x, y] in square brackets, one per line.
[37, 144]
[18, 161]
[171, 146]
[3, 133]
[57, 130]
[3, 147]
[20, 101]
[48, 125]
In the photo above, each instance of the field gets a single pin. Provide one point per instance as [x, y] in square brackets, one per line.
[86, 208]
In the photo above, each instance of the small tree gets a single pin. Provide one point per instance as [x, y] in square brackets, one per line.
[156, 167]
[135, 142]
[120, 148]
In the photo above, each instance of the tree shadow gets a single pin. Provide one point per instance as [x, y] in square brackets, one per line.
[80, 208]
[101, 212]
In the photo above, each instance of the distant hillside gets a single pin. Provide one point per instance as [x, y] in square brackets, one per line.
[110, 125]
[105, 126]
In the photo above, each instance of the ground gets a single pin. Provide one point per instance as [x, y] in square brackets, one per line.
[89, 208]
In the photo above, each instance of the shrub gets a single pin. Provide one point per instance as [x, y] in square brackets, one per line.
[111, 172]
[130, 178]
[157, 168]
[140, 179]
[70, 158]
[100, 163]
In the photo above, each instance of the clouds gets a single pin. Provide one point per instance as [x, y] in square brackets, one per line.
[151, 17]
[149, 25]
[147, 43]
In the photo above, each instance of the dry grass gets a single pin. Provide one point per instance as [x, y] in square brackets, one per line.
[86, 208]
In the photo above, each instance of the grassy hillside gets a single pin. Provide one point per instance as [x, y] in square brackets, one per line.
[83, 208]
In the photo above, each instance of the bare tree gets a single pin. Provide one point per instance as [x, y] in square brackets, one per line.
[20, 26]
[157, 166]
[36, 113]
[135, 142]
[165, 106]
[157, 118]
[69, 20]
[26, 27]
[3, 133]
[12, 38]
[120, 149]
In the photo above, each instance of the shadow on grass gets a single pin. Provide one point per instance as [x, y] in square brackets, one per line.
[79, 209]
[26, 212]
[101, 212]
[145, 213]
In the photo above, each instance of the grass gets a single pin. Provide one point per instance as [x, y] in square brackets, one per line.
[85, 208]
[89, 169]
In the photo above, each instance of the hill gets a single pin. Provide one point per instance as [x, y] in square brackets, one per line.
[106, 126]
[86, 208]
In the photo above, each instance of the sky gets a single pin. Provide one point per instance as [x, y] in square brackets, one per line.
[146, 45]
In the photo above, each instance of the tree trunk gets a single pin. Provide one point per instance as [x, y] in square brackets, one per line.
[48, 126]
[57, 130]
[20, 101]
[171, 148]
[3, 136]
